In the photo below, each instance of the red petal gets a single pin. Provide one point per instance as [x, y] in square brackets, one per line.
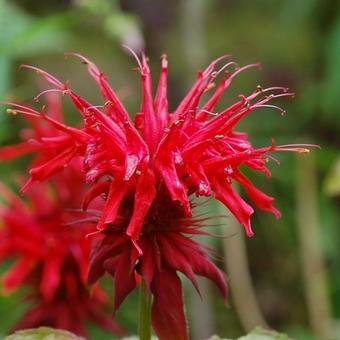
[168, 319]
[110, 246]
[175, 187]
[152, 130]
[166, 165]
[161, 102]
[225, 193]
[96, 190]
[136, 148]
[105, 88]
[176, 260]
[200, 262]
[54, 165]
[196, 90]
[14, 277]
[199, 178]
[14, 151]
[51, 275]
[209, 106]
[220, 124]
[77, 134]
[116, 194]
[144, 196]
[262, 200]
[124, 275]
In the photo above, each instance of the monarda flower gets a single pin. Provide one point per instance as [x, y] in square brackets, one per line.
[51, 261]
[51, 258]
[148, 173]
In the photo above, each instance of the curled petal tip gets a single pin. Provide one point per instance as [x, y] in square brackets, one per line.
[249, 231]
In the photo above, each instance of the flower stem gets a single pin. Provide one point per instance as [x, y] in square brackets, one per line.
[144, 327]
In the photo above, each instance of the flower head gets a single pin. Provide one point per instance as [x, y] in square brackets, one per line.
[147, 172]
[51, 258]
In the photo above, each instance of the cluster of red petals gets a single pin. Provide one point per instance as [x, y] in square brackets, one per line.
[146, 170]
[164, 247]
[50, 258]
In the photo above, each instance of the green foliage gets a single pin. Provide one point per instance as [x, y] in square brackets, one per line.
[24, 35]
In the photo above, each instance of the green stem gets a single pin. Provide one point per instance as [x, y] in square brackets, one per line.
[144, 327]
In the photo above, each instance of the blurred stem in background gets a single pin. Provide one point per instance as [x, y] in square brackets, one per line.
[193, 28]
[312, 258]
[237, 268]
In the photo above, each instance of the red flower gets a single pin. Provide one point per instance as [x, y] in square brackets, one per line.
[52, 259]
[147, 172]
[50, 256]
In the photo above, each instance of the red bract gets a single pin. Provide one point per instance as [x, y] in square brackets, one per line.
[147, 171]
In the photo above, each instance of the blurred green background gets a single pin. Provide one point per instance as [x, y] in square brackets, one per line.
[298, 45]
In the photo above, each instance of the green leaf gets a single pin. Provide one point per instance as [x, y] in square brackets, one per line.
[25, 34]
[43, 333]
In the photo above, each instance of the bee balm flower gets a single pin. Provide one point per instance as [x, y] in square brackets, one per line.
[149, 170]
[51, 258]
